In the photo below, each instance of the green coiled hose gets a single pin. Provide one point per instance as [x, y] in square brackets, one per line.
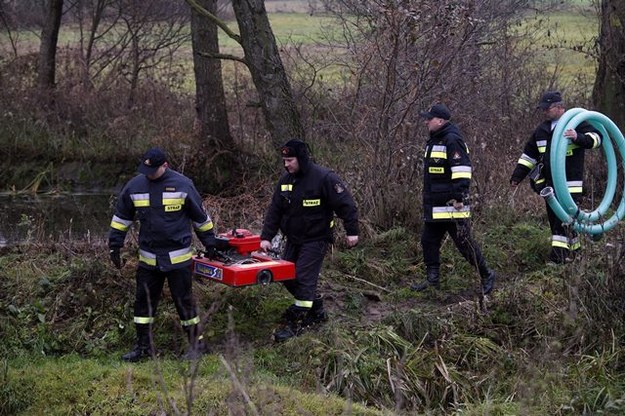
[561, 201]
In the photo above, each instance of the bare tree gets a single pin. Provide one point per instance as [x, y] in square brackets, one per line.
[210, 99]
[47, 50]
[262, 57]
[8, 22]
[90, 15]
[209, 90]
[153, 33]
[609, 89]
[124, 39]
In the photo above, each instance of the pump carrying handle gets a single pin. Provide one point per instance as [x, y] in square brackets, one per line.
[561, 201]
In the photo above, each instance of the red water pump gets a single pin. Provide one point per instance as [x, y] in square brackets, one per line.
[239, 263]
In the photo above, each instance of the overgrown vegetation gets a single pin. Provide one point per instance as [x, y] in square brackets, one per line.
[548, 341]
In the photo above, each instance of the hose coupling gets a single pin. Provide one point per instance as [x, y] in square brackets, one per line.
[547, 193]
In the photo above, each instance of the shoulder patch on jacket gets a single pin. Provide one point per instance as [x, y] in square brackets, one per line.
[457, 156]
[338, 187]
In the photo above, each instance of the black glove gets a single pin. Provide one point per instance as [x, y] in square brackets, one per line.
[211, 252]
[115, 257]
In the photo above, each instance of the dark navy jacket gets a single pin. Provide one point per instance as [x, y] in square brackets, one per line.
[166, 208]
[446, 175]
[538, 149]
[303, 206]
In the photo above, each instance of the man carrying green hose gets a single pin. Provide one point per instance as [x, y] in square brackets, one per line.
[535, 163]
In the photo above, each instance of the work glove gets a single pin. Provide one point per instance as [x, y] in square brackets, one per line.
[115, 257]
[211, 252]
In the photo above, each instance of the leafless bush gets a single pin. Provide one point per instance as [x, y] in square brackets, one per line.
[242, 211]
[398, 58]
[22, 14]
[93, 117]
[122, 39]
[119, 87]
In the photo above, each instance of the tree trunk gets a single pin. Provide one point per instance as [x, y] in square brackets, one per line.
[263, 59]
[47, 50]
[609, 88]
[210, 99]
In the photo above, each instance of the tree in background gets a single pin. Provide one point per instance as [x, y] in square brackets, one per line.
[262, 57]
[8, 23]
[609, 89]
[217, 144]
[210, 98]
[152, 32]
[47, 52]
[94, 20]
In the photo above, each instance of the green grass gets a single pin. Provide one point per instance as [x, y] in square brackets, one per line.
[75, 385]
[561, 32]
[295, 27]
[564, 40]
[523, 350]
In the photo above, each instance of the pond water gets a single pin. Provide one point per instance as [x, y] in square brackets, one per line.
[37, 218]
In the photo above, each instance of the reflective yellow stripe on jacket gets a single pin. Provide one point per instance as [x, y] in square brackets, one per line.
[147, 257]
[175, 257]
[575, 187]
[449, 212]
[439, 152]
[203, 226]
[174, 198]
[180, 256]
[461, 172]
[527, 161]
[542, 145]
[595, 138]
[140, 200]
[120, 224]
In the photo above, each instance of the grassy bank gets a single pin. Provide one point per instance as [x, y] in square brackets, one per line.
[548, 340]
[75, 385]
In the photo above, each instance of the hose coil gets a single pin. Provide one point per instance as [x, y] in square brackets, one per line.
[561, 201]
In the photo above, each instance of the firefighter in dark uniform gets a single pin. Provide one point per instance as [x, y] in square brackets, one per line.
[167, 205]
[446, 182]
[303, 207]
[535, 163]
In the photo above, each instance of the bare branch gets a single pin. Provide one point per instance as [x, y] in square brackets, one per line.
[220, 23]
[222, 56]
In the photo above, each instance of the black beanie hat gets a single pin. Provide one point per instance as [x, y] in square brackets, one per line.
[296, 148]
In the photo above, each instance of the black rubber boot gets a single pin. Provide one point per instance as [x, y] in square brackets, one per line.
[288, 315]
[558, 255]
[197, 347]
[293, 327]
[142, 350]
[316, 315]
[488, 282]
[432, 280]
